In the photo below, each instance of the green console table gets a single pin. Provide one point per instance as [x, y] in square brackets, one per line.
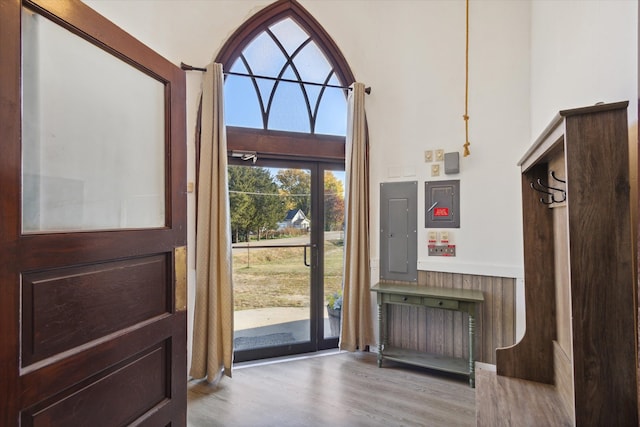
[464, 300]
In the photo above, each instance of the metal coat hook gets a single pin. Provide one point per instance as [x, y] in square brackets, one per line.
[544, 189]
[539, 190]
[548, 187]
[553, 175]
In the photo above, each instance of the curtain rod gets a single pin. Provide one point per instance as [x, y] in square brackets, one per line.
[187, 67]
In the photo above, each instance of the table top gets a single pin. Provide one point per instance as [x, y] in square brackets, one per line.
[457, 294]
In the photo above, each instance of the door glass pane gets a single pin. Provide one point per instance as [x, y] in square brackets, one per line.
[93, 134]
[270, 223]
[333, 250]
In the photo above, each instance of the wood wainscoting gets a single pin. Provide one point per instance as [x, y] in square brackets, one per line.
[446, 332]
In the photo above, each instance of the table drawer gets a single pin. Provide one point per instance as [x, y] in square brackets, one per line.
[440, 303]
[404, 299]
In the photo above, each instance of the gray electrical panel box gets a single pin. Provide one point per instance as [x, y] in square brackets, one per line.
[399, 231]
[442, 204]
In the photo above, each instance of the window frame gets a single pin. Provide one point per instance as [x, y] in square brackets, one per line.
[304, 146]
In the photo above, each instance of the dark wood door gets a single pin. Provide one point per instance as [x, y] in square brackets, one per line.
[92, 222]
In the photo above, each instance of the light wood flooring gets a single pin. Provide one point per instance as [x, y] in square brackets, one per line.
[341, 389]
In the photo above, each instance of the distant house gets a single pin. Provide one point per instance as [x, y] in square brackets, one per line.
[295, 218]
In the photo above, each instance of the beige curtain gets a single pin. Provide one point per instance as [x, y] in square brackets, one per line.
[357, 328]
[212, 352]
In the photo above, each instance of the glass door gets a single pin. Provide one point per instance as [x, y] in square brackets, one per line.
[332, 252]
[286, 226]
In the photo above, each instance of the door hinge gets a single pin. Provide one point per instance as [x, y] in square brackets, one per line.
[180, 264]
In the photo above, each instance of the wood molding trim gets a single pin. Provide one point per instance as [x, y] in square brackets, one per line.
[269, 143]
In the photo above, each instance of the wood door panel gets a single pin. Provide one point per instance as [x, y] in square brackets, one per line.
[89, 330]
[140, 385]
[64, 371]
[89, 247]
[65, 308]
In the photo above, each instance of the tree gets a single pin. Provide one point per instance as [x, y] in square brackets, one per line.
[333, 202]
[254, 202]
[258, 203]
[295, 184]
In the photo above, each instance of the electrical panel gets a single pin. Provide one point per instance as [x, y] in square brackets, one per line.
[442, 204]
[399, 231]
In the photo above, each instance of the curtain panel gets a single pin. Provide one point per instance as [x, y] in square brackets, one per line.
[212, 352]
[357, 324]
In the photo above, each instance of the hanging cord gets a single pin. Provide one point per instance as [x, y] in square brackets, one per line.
[466, 90]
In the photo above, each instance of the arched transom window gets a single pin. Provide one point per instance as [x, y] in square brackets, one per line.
[283, 81]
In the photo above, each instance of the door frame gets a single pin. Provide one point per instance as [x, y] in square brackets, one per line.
[317, 340]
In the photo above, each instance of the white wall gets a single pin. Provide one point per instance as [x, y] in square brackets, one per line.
[412, 54]
[582, 52]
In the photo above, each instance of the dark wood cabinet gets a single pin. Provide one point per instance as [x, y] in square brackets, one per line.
[579, 274]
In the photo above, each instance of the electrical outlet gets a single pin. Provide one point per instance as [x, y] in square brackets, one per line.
[439, 155]
[435, 170]
[442, 250]
[428, 156]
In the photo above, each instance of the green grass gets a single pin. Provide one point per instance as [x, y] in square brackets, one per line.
[278, 278]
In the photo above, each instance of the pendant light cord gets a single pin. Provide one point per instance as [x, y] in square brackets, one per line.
[466, 90]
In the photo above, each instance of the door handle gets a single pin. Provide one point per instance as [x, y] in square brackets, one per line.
[305, 257]
[305, 253]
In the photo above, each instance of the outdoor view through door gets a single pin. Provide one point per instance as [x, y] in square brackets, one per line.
[286, 119]
[287, 226]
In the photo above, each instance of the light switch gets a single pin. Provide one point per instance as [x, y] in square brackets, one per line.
[439, 155]
[435, 170]
[428, 156]
[433, 236]
[444, 237]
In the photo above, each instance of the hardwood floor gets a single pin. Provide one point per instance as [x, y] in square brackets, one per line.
[341, 389]
[537, 404]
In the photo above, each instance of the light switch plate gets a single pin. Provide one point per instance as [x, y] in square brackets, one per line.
[435, 170]
[428, 156]
[439, 155]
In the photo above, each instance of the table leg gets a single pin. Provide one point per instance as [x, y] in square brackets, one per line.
[382, 338]
[472, 331]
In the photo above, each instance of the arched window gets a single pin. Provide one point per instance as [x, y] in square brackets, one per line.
[283, 81]
[286, 110]
[284, 89]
